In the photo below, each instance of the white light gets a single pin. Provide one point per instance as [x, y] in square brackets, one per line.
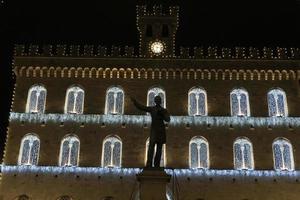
[157, 47]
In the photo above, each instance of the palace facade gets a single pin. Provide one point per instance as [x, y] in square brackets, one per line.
[75, 134]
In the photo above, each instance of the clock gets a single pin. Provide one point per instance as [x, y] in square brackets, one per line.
[157, 47]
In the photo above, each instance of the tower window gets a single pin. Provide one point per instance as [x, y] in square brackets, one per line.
[149, 32]
[112, 152]
[283, 155]
[74, 100]
[29, 150]
[36, 99]
[239, 100]
[163, 154]
[69, 151]
[114, 103]
[199, 153]
[153, 92]
[165, 30]
[243, 154]
[277, 103]
[197, 101]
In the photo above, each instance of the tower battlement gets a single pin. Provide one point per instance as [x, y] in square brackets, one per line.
[157, 10]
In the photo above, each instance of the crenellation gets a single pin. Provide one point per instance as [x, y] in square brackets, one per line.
[88, 50]
[226, 53]
[239, 53]
[129, 52]
[19, 50]
[185, 52]
[268, 53]
[254, 53]
[199, 53]
[101, 51]
[61, 50]
[212, 52]
[115, 51]
[265, 53]
[295, 53]
[47, 50]
[157, 10]
[33, 50]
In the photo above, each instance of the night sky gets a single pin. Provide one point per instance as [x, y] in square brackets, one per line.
[223, 23]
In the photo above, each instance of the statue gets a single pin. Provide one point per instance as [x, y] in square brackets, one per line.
[158, 131]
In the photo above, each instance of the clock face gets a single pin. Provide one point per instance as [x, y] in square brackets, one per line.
[157, 47]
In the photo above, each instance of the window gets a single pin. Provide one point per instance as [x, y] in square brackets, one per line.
[163, 154]
[36, 99]
[112, 152]
[114, 103]
[153, 92]
[149, 30]
[69, 151]
[239, 101]
[197, 102]
[277, 103]
[199, 153]
[29, 150]
[283, 155]
[165, 30]
[243, 154]
[74, 100]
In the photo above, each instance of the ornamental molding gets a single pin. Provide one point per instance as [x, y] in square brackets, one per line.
[156, 73]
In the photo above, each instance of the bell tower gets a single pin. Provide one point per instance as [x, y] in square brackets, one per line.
[157, 30]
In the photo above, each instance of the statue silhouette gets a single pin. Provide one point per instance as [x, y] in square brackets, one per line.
[158, 130]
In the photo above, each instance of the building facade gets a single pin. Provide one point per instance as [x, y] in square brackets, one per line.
[75, 134]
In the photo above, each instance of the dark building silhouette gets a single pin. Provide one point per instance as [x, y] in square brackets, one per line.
[74, 134]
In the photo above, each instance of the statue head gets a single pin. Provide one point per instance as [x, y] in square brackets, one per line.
[157, 100]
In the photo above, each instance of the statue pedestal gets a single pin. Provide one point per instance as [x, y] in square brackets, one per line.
[153, 183]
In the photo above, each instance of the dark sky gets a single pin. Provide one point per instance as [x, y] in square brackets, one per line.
[223, 23]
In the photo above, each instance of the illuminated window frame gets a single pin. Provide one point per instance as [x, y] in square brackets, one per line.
[156, 91]
[32, 137]
[69, 138]
[276, 92]
[39, 88]
[74, 89]
[163, 160]
[242, 141]
[281, 142]
[198, 140]
[197, 90]
[238, 92]
[114, 89]
[113, 139]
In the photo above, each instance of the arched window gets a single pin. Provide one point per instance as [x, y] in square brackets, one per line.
[239, 100]
[114, 103]
[74, 100]
[197, 102]
[243, 154]
[153, 92]
[112, 152]
[29, 150]
[64, 198]
[277, 103]
[36, 99]
[283, 155]
[163, 154]
[69, 151]
[199, 153]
